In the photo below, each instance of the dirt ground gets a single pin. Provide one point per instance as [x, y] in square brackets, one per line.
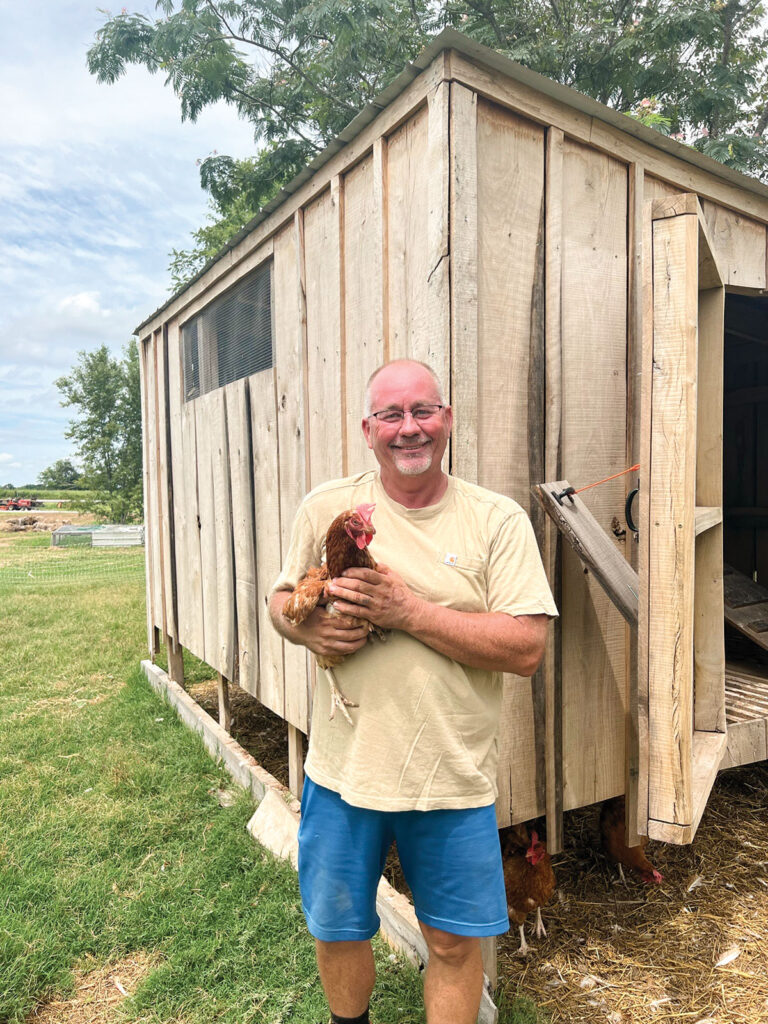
[98, 993]
[42, 520]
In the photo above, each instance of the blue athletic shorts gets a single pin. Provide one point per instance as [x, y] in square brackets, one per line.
[451, 860]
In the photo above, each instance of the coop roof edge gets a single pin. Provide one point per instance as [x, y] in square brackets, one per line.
[450, 39]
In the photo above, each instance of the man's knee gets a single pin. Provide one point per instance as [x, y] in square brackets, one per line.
[450, 949]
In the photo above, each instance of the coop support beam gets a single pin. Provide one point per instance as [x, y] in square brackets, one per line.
[295, 760]
[275, 824]
[175, 660]
[225, 715]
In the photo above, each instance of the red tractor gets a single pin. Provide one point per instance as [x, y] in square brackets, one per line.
[18, 504]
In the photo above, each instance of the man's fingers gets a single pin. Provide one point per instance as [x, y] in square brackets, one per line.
[358, 573]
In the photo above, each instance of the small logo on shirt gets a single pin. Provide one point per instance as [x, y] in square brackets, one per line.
[450, 559]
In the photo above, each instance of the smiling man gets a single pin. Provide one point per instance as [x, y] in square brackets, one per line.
[461, 588]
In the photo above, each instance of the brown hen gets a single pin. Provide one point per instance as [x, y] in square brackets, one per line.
[613, 842]
[528, 878]
[346, 547]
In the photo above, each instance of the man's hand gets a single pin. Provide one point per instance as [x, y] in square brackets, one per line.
[382, 596]
[330, 636]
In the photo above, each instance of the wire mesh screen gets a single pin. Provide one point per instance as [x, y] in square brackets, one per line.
[231, 338]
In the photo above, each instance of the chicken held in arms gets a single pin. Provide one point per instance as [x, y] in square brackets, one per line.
[528, 878]
[613, 841]
[346, 547]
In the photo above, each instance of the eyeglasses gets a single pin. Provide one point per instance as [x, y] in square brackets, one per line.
[420, 413]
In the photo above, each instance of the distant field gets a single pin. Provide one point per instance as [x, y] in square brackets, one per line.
[43, 495]
[29, 561]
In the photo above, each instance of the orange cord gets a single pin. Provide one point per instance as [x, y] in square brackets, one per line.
[605, 481]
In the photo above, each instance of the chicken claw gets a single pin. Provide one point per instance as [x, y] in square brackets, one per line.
[338, 700]
[539, 930]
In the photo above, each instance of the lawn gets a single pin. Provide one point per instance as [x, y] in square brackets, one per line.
[115, 846]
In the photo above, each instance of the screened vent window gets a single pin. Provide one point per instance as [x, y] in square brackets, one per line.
[231, 338]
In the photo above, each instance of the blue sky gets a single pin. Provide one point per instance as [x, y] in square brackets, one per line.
[97, 184]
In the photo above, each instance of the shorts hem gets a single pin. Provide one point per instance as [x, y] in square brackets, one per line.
[462, 928]
[339, 934]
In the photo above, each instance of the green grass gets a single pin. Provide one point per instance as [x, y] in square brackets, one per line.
[29, 560]
[111, 842]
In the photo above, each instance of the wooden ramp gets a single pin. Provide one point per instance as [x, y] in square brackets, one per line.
[746, 605]
[746, 712]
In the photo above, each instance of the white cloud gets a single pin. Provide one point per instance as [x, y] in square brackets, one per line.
[6, 457]
[97, 184]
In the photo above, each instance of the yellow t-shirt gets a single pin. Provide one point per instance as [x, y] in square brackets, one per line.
[426, 729]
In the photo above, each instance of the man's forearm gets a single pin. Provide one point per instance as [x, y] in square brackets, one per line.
[489, 640]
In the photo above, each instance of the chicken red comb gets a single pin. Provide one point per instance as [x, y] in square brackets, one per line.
[366, 511]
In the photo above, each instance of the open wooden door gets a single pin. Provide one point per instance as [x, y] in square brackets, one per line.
[681, 658]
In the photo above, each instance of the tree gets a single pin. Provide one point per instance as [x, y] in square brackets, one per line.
[299, 71]
[107, 430]
[62, 475]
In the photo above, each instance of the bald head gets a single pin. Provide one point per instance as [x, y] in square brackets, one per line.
[395, 368]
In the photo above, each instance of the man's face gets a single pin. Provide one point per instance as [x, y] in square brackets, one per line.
[408, 448]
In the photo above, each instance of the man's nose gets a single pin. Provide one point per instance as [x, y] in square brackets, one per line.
[414, 422]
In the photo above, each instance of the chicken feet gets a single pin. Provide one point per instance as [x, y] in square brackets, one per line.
[338, 700]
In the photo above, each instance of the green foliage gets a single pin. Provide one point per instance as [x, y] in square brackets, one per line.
[62, 474]
[107, 431]
[299, 71]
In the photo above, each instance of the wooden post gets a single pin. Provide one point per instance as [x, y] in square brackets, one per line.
[553, 359]
[488, 953]
[175, 660]
[295, 760]
[225, 717]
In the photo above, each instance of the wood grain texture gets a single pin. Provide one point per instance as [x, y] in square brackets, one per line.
[324, 354]
[191, 628]
[271, 690]
[223, 568]
[363, 288]
[672, 504]
[594, 320]
[154, 533]
[206, 511]
[409, 238]
[433, 346]
[240, 460]
[510, 190]
[178, 508]
[144, 350]
[465, 261]
[709, 642]
[553, 420]
[637, 186]
[165, 488]
[290, 373]
[593, 547]
[739, 244]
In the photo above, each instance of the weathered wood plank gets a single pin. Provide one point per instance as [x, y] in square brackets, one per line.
[594, 307]
[491, 362]
[322, 270]
[144, 347]
[238, 411]
[225, 715]
[295, 761]
[165, 488]
[672, 538]
[364, 347]
[179, 509]
[593, 546]
[433, 346]
[465, 265]
[637, 185]
[553, 419]
[747, 743]
[271, 689]
[709, 642]
[290, 374]
[408, 235]
[204, 408]
[154, 533]
[191, 627]
[739, 245]
[226, 638]
[381, 232]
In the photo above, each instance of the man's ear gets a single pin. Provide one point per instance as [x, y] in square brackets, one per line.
[367, 432]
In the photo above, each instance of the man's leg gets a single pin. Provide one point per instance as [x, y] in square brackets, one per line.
[453, 980]
[348, 974]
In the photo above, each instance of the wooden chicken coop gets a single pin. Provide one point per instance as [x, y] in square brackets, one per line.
[594, 294]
